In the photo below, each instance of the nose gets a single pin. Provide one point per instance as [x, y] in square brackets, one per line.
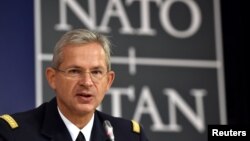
[86, 80]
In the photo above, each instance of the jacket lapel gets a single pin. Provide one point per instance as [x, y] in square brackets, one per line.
[53, 127]
[98, 132]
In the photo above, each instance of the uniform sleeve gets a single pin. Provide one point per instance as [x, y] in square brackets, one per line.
[137, 128]
[7, 125]
[3, 131]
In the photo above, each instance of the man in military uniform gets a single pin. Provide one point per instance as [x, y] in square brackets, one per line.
[80, 75]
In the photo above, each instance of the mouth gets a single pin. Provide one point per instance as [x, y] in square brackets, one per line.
[84, 97]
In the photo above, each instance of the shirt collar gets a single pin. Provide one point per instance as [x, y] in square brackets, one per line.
[74, 130]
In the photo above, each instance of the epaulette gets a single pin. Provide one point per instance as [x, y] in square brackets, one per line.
[13, 124]
[135, 127]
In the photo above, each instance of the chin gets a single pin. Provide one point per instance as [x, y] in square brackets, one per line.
[87, 109]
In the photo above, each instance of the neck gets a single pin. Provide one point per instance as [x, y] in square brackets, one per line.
[79, 120]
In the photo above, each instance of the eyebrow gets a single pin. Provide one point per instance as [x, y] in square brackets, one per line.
[93, 68]
[97, 68]
[73, 66]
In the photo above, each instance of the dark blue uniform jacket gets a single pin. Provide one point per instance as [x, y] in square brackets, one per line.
[45, 124]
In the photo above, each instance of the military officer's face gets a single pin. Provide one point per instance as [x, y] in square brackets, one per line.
[81, 80]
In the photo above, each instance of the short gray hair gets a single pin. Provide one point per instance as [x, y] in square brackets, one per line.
[77, 37]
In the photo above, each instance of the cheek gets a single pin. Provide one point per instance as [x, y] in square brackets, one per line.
[103, 88]
[64, 86]
[100, 89]
[101, 93]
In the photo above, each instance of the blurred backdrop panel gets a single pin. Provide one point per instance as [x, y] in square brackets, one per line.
[17, 77]
[167, 55]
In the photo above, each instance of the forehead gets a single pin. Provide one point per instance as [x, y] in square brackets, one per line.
[84, 55]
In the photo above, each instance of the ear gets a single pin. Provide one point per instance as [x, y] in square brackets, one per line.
[111, 77]
[50, 75]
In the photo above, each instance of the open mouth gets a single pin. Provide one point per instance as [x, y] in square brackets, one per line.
[83, 97]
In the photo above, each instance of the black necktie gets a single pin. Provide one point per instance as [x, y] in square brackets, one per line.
[80, 137]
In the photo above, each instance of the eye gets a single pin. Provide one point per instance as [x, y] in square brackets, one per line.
[74, 71]
[97, 72]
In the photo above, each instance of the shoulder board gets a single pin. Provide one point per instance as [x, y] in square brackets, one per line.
[13, 124]
[135, 127]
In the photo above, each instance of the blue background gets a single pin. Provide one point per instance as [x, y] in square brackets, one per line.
[17, 81]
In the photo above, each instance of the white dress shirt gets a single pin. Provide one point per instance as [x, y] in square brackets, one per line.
[74, 131]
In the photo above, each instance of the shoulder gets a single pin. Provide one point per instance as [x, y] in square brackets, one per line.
[20, 117]
[9, 120]
[124, 128]
[11, 123]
